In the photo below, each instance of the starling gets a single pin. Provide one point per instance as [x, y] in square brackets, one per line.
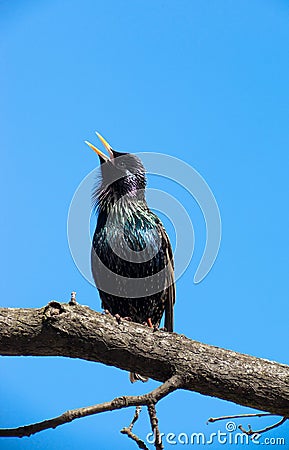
[131, 257]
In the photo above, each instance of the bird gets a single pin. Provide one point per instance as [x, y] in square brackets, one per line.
[131, 256]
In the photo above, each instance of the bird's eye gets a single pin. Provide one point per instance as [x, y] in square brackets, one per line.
[121, 164]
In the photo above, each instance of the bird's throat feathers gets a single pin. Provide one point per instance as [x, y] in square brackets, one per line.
[108, 199]
[121, 187]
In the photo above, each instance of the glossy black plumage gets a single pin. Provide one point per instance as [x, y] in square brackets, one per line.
[132, 243]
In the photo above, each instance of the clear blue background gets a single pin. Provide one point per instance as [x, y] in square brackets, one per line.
[204, 81]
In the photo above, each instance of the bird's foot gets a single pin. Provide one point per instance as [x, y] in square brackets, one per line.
[150, 324]
[156, 328]
[129, 319]
[118, 318]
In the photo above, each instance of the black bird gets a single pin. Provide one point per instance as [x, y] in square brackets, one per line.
[131, 258]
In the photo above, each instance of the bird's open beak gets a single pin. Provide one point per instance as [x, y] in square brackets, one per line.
[99, 152]
[106, 145]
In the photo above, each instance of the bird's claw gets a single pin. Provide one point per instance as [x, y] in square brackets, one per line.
[156, 328]
[118, 318]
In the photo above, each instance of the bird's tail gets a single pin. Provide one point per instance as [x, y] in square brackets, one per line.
[133, 377]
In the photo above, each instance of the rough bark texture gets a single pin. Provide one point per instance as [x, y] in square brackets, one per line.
[77, 331]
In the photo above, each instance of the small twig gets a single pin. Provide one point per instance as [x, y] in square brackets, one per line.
[250, 432]
[135, 417]
[155, 428]
[135, 438]
[238, 416]
[73, 298]
[173, 383]
[130, 434]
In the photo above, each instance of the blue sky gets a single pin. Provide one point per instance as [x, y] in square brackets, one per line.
[204, 81]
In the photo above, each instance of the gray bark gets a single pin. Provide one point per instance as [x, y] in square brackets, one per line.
[76, 331]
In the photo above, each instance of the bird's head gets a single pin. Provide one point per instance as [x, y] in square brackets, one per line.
[122, 174]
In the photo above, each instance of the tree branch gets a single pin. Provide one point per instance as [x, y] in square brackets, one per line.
[250, 432]
[77, 331]
[130, 434]
[118, 403]
[238, 416]
[155, 426]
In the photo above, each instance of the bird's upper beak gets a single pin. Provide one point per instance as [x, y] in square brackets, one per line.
[103, 157]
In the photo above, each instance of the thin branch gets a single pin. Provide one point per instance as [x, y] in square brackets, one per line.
[154, 396]
[130, 434]
[135, 438]
[155, 427]
[135, 417]
[238, 416]
[250, 432]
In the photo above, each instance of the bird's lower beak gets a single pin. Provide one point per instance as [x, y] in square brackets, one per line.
[96, 150]
[99, 152]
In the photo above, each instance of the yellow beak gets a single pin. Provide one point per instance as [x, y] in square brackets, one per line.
[106, 144]
[96, 150]
[99, 152]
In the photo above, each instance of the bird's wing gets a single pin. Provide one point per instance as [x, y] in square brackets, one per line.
[170, 282]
